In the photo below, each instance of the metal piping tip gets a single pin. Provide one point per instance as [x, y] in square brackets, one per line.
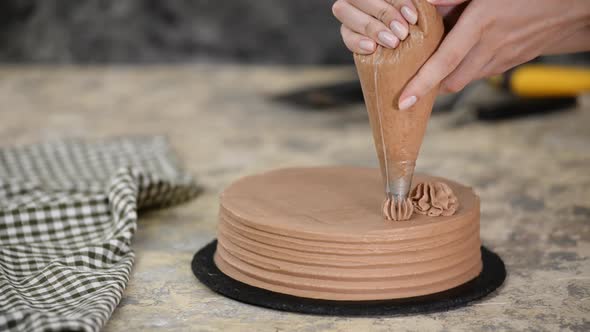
[399, 182]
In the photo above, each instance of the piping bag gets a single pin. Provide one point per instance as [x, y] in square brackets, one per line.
[398, 134]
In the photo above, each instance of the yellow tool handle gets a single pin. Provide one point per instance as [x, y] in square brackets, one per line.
[537, 80]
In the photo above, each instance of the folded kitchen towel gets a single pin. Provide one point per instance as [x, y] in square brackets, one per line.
[68, 212]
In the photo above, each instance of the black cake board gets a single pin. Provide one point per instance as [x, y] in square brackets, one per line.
[491, 277]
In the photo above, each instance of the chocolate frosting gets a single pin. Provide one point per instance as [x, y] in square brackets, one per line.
[319, 233]
[434, 199]
[397, 210]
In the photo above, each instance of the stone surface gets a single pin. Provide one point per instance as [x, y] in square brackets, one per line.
[532, 175]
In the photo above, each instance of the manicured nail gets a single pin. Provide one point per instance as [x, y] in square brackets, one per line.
[407, 103]
[367, 45]
[388, 39]
[409, 15]
[399, 29]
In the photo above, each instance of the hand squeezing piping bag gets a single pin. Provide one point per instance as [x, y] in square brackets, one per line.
[398, 134]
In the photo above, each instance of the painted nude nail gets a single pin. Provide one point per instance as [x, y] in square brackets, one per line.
[407, 103]
[388, 39]
[399, 29]
[367, 45]
[409, 15]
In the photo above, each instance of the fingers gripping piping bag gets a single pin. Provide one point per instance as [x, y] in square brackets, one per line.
[398, 134]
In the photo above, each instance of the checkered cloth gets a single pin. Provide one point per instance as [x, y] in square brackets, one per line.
[68, 212]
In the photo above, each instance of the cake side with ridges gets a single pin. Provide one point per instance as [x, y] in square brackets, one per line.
[419, 257]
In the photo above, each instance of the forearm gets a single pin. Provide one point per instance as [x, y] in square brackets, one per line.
[579, 39]
[578, 42]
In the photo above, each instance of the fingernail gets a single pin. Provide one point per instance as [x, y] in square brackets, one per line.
[367, 45]
[407, 103]
[409, 15]
[399, 29]
[388, 39]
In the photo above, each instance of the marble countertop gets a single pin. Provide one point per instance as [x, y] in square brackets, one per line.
[533, 176]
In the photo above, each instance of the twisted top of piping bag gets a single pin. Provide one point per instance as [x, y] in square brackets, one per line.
[398, 134]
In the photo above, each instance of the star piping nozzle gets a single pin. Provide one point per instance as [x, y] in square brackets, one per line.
[399, 182]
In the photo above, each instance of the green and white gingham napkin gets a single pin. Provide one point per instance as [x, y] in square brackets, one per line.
[68, 212]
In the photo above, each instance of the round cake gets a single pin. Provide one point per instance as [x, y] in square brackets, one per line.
[320, 233]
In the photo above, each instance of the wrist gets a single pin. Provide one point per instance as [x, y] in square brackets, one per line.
[582, 9]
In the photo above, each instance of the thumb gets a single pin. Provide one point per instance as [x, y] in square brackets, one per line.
[453, 49]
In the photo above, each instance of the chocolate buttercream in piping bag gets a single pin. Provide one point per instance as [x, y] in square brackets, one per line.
[398, 134]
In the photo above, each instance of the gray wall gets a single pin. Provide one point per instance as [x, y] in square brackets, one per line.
[152, 31]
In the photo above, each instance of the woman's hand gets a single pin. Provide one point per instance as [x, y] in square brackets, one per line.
[491, 37]
[488, 38]
[367, 22]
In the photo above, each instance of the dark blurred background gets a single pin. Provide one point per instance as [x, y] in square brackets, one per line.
[168, 31]
[154, 31]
